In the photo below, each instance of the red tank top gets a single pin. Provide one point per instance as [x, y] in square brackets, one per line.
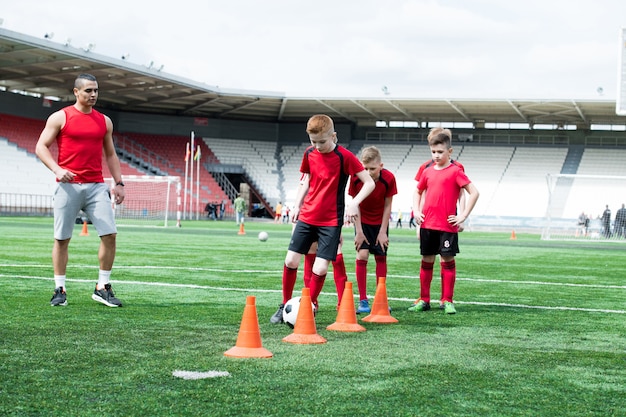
[80, 144]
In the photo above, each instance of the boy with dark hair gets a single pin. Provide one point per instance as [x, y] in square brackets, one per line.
[440, 186]
[319, 207]
[371, 230]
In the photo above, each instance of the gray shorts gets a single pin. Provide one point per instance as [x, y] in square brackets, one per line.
[93, 198]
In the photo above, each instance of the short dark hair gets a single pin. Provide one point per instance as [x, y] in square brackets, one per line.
[81, 78]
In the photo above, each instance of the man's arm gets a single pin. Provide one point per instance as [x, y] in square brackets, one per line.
[113, 162]
[47, 137]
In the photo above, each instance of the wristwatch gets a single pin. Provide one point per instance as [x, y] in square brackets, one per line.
[119, 183]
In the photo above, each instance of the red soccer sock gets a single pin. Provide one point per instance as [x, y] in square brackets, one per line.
[381, 267]
[317, 283]
[448, 278]
[340, 276]
[361, 278]
[309, 260]
[289, 281]
[426, 277]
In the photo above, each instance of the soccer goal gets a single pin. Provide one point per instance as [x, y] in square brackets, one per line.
[576, 205]
[150, 200]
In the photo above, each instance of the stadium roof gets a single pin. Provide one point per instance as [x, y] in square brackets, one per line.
[41, 67]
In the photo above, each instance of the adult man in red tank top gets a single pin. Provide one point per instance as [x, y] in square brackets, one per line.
[82, 135]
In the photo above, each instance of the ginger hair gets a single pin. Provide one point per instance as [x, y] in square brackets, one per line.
[320, 123]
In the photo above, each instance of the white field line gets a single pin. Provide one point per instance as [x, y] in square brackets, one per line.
[257, 290]
[279, 273]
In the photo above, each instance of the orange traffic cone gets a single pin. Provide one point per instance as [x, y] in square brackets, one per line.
[85, 232]
[513, 237]
[380, 308]
[305, 332]
[249, 340]
[346, 317]
[241, 231]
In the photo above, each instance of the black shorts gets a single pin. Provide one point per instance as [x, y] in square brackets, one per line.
[436, 242]
[327, 238]
[371, 233]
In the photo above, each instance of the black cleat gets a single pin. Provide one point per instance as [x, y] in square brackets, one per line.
[59, 298]
[106, 296]
[277, 318]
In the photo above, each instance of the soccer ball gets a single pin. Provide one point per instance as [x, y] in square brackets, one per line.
[263, 236]
[290, 312]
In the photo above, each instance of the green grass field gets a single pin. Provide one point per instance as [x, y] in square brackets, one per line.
[540, 329]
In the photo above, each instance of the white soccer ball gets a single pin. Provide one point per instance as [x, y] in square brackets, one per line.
[290, 311]
[263, 236]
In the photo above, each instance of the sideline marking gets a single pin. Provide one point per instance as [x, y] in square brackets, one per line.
[199, 375]
[254, 271]
[257, 290]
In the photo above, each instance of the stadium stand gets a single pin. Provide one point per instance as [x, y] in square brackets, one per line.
[511, 179]
[22, 173]
[591, 197]
[169, 159]
[257, 158]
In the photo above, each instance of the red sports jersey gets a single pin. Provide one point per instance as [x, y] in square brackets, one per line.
[443, 187]
[373, 206]
[328, 175]
[80, 144]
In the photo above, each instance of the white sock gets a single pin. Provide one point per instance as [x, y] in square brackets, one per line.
[104, 277]
[59, 281]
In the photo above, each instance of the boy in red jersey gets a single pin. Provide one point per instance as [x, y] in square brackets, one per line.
[461, 207]
[319, 207]
[82, 135]
[372, 226]
[436, 199]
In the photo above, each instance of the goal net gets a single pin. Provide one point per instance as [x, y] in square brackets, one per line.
[150, 200]
[576, 205]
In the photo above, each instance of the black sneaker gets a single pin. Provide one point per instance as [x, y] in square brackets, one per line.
[59, 298]
[106, 296]
[277, 318]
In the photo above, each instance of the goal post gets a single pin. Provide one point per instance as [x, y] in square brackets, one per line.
[620, 103]
[572, 195]
[150, 200]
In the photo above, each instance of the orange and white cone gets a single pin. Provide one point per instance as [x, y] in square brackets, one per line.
[346, 316]
[380, 308]
[249, 340]
[305, 331]
[84, 232]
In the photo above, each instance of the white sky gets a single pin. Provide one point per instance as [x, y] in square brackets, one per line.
[552, 49]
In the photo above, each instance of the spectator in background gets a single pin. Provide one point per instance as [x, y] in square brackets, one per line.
[606, 222]
[619, 226]
[279, 213]
[399, 221]
[240, 209]
[583, 223]
[222, 209]
[412, 220]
